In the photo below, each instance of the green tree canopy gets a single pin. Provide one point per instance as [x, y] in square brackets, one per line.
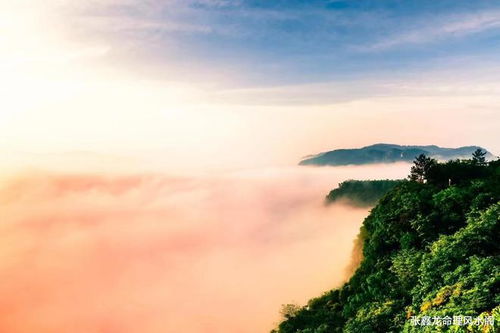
[430, 249]
[421, 167]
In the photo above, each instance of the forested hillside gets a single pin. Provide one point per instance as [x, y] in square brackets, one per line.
[431, 258]
[361, 193]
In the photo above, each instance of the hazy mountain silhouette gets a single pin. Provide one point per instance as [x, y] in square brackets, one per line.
[388, 153]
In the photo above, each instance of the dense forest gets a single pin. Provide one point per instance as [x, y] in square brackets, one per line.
[431, 258]
[361, 193]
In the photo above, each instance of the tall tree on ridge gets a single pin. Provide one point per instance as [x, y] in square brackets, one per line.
[420, 168]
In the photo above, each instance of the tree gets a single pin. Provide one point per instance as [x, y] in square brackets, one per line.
[478, 157]
[289, 310]
[421, 167]
[429, 250]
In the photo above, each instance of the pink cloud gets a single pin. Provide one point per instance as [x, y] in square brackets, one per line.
[153, 253]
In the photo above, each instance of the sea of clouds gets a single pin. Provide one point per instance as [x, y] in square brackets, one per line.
[152, 252]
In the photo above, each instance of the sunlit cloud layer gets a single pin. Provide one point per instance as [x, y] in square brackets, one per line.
[156, 253]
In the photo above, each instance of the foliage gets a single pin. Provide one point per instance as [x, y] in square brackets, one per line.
[430, 248]
[421, 167]
[478, 156]
[362, 193]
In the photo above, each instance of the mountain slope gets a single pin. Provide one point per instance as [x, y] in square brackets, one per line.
[361, 193]
[388, 153]
[430, 249]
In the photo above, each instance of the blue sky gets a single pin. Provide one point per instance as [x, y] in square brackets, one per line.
[294, 42]
[307, 76]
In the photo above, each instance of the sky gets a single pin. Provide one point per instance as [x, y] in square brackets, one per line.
[212, 82]
[149, 149]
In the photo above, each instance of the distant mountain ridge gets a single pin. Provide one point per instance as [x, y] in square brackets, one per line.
[388, 153]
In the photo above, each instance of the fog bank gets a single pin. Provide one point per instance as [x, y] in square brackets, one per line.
[151, 252]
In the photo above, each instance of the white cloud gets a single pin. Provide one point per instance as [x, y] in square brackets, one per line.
[437, 29]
